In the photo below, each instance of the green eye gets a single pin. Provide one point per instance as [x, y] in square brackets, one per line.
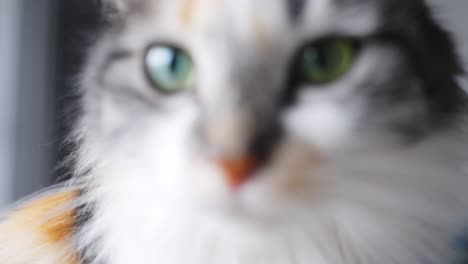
[169, 69]
[326, 61]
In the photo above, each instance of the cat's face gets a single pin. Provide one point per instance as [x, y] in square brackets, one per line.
[309, 89]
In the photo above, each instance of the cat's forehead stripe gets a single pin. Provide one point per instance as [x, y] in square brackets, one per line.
[295, 8]
[259, 30]
[187, 12]
[191, 11]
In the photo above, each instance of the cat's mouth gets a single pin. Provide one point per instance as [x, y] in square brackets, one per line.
[249, 188]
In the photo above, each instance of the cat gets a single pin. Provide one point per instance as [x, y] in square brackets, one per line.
[260, 131]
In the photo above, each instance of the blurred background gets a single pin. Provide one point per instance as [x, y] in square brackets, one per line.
[42, 45]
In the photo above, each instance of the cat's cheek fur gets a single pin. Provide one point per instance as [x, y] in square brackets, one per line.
[145, 172]
[329, 124]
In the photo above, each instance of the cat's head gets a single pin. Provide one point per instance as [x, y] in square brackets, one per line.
[266, 106]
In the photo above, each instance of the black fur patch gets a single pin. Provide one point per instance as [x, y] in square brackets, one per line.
[432, 54]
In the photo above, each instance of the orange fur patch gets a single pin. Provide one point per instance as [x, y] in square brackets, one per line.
[50, 220]
[57, 218]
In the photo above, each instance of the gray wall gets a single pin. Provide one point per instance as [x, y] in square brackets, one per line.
[9, 39]
[35, 126]
[26, 97]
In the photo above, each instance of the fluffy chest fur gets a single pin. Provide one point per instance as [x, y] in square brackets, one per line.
[370, 221]
[269, 131]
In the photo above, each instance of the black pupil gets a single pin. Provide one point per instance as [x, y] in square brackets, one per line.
[322, 57]
[174, 63]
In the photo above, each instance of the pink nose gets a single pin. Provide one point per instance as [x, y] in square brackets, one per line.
[238, 171]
